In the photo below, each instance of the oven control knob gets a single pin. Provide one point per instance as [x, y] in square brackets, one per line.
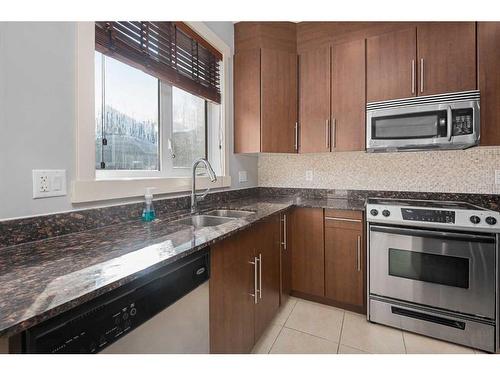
[475, 219]
[386, 213]
[374, 212]
[491, 220]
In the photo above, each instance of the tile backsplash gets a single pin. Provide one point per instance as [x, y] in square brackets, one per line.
[458, 171]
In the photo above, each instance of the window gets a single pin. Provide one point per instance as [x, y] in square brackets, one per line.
[146, 127]
[127, 117]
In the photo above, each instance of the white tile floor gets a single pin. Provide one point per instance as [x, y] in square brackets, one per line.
[307, 327]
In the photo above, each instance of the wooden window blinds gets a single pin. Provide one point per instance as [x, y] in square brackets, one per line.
[170, 51]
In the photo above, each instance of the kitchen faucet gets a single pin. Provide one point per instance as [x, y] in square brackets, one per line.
[211, 175]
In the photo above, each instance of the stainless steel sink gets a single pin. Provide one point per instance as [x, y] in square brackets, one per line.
[200, 221]
[230, 213]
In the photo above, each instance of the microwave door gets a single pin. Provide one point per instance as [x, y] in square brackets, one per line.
[400, 129]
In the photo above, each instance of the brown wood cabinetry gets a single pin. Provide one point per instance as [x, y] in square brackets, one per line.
[488, 39]
[308, 251]
[244, 287]
[446, 57]
[391, 65]
[332, 98]
[247, 101]
[265, 88]
[232, 311]
[329, 257]
[266, 234]
[426, 59]
[314, 100]
[345, 262]
[348, 96]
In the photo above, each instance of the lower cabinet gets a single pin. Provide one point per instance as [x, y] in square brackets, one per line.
[329, 257]
[244, 286]
[308, 252]
[345, 258]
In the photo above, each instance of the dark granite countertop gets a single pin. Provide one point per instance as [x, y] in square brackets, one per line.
[45, 278]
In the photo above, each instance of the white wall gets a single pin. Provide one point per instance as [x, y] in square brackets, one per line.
[37, 113]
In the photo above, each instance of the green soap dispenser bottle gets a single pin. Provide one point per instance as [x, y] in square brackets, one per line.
[148, 213]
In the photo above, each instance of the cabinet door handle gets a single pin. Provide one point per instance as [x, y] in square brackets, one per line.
[334, 133]
[296, 136]
[327, 133]
[413, 76]
[255, 287]
[260, 276]
[358, 254]
[422, 75]
[284, 232]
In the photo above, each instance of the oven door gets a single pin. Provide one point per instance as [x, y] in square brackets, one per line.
[448, 270]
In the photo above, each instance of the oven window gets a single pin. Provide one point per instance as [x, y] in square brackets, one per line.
[409, 126]
[438, 269]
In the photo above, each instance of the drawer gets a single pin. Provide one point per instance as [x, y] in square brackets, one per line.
[344, 219]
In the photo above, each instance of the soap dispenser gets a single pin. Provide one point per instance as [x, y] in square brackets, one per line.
[148, 213]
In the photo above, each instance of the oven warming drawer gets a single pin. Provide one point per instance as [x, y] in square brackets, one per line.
[476, 333]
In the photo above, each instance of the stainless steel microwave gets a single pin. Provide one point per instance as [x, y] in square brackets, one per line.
[445, 121]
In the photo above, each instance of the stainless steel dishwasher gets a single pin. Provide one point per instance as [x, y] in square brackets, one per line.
[165, 311]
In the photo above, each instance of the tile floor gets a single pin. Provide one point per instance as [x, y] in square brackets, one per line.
[303, 327]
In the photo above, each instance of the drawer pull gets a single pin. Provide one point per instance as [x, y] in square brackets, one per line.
[343, 219]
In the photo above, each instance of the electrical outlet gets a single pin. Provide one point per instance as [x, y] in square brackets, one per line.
[242, 176]
[309, 175]
[49, 183]
[497, 177]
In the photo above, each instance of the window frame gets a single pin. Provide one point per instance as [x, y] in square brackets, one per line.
[86, 187]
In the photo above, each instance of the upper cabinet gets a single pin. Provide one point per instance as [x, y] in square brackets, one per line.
[426, 59]
[488, 39]
[446, 57]
[265, 87]
[314, 100]
[332, 98]
[391, 65]
[348, 96]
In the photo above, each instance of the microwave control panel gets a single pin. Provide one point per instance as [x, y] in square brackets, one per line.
[463, 121]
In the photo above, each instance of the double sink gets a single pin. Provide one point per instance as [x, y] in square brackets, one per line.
[213, 218]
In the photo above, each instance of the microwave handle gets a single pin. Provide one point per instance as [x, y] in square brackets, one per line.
[450, 122]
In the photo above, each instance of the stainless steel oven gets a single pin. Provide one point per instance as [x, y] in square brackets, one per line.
[447, 121]
[433, 269]
[442, 269]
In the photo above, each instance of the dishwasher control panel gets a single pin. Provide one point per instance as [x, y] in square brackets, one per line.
[92, 327]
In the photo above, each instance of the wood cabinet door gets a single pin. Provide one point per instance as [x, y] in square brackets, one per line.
[488, 38]
[285, 258]
[314, 100]
[348, 96]
[308, 261]
[345, 260]
[446, 57]
[247, 101]
[391, 65]
[232, 308]
[266, 238]
[278, 100]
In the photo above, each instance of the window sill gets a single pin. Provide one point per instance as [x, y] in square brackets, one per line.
[100, 190]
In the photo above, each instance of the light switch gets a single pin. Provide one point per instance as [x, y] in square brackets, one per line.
[242, 176]
[309, 175]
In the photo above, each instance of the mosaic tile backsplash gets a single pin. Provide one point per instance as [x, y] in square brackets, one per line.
[460, 171]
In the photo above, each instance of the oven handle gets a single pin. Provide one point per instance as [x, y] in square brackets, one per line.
[434, 234]
[449, 119]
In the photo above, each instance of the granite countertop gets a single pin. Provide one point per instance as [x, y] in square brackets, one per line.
[42, 279]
